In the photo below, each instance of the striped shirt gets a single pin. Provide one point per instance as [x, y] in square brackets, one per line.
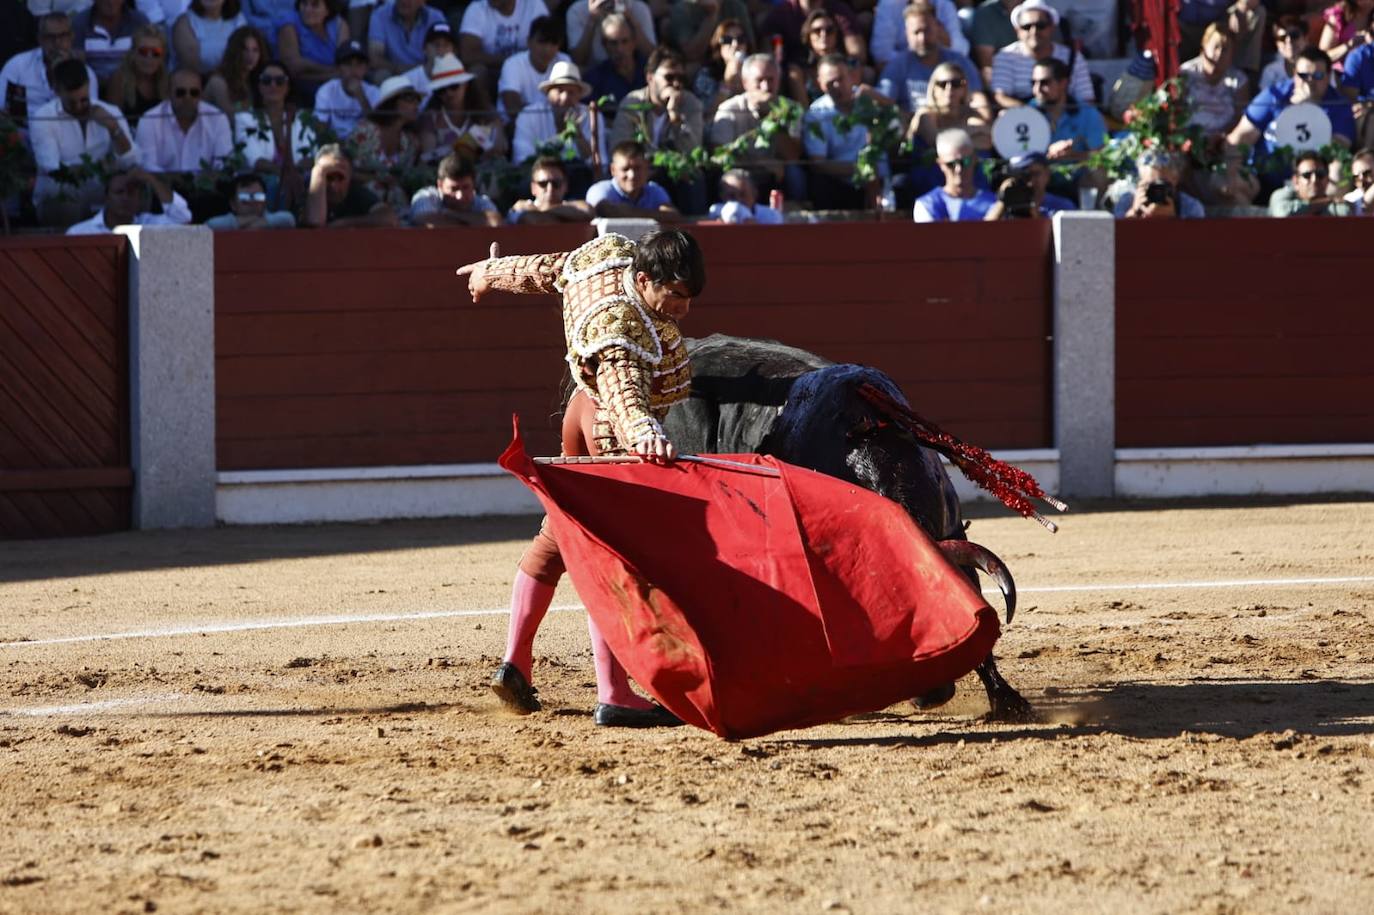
[1012, 66]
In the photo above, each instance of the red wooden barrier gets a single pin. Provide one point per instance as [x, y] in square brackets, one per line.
[359, 348]
[1244, 332]
[64, 409]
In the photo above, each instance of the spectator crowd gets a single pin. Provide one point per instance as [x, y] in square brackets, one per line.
[259, 114]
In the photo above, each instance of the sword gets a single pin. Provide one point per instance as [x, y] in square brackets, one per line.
[632, 459]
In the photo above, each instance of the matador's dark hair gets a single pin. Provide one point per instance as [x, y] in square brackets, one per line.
[672, 256]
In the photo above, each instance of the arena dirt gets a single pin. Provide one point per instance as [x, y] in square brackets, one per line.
[1205, 750]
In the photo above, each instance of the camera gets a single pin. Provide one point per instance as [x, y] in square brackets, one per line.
[1159, 192]
[1017, 197]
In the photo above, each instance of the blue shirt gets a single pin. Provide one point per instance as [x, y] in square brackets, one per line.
[1082, 124]
[904, 78]
[831, 144]
[404, 49]
[604, 80]
[937, 206]
[651, 198]
[1359, 70]
[1053, 203]
[1277, 97]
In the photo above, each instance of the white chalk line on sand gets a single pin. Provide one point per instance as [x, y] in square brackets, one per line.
[353, 619]
[88, 708]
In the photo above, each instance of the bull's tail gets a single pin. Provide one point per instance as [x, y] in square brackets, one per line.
[1012, 485]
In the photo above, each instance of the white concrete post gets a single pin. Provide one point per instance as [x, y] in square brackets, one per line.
[632, 228]
[172, 374]
[1085, 352]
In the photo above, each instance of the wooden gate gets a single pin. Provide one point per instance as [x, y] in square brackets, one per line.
[64, 388]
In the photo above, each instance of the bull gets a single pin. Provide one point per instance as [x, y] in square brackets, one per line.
[846, 421]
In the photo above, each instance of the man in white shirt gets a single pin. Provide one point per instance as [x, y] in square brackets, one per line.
[439, 42]
[523, 71]
[24, 86]
[739, 201]
[493, 30]
[71, 126]
[179, 134]
[584, 28]
[344, 100]
[126, 203]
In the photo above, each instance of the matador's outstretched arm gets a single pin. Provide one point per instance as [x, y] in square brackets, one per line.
[527, 273]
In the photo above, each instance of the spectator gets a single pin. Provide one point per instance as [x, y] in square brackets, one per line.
[739, 201]
[692, 25]
[889, 29]
[307, 43]
[524, 71]
[786, 18]
[126, 203]
[541, 125]
[1290, 37]
[453, 199]
[345, 99]
[183, 132]
[1357, 85]
[820, 33]
[140, 81]
[947, 104]
[459, 118]
[200, 35]
[277, 140]
[24, 82]
[387, 141]
[664, 115]
[264, 15]
[905, 77]
[248, 208]
[546, 204]
[439, 42]
[1076, 130]
[833, 152]
[1244, 19]
[622, 71]
[958, 200]
[336, 201]
[742, 113]
[64, 130]
[1216, 91]
[396, 34]
[1308, 192]
[1011, 67]
[1311, 83]
[721, 77]
[629, 192]
[1345, 27]
[104, 33]
[1028, 179]
[1361, 197]
[586, 29]
[992, 31]
[1156, 194]
[230, 88]
[493, 30]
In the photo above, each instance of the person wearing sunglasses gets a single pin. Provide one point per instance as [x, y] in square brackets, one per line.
[1290, 37]
[1035, 22]
[278, 140]
[24, 86]
[141, 79]
[184, 131]
[248, 208]
[1361, 197]
[959, 199]
[1308, 192]
[907, 75]
[721, 76]
[1311, 82]
[786, 18]
[947, 104]
[548, 201]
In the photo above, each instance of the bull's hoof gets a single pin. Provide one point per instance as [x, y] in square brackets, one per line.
[1012, 709]
[935, 698]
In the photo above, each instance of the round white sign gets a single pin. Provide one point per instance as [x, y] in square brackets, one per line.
[1302, 126]
[1018, 131]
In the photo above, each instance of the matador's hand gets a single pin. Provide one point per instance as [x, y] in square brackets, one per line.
[655, 449]
[477, 274]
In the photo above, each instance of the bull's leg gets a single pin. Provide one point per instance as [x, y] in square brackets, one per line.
[1004, 702]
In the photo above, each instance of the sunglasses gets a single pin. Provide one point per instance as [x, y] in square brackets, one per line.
[1364, 176]
[1050, 81]
[961, 162]
[732, 39]
[252, 197]
[1038, 25]
[1289, 36]
[823, 30]
[267, 79]
[148, 51]
[549, 182]
[182, 92]
[674, 79]
[1314, 175]
[1312, 76]
[950, 83]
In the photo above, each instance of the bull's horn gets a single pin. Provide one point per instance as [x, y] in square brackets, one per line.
[966, 553]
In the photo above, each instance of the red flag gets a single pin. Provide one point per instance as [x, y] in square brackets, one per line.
[750, 601]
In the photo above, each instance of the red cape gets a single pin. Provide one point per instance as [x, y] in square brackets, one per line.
[748, 602]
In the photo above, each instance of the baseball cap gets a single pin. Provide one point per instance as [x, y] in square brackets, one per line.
[439, 30]
[350, 50]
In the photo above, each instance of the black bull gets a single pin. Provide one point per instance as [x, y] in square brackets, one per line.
[762, 396]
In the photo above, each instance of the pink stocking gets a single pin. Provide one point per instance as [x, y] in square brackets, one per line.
[612, 683]
[529, 601]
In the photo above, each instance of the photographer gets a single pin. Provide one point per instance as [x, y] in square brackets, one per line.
[1024, 194]
[1156, 194]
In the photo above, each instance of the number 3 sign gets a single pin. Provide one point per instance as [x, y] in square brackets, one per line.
[1302, 126]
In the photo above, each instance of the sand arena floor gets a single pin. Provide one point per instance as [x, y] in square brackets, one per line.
[1209, 744]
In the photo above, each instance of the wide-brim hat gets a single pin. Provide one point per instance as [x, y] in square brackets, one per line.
[566, 73]
[392, 87]
[448, 71]
[1034, 6]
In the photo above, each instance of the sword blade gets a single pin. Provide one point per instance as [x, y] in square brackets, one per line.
[722, 463]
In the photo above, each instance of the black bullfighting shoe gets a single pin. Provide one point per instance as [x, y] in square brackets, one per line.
[620, 716]
[514, 690]
[935, 698]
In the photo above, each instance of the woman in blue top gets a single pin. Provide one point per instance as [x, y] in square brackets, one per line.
[307, 42]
